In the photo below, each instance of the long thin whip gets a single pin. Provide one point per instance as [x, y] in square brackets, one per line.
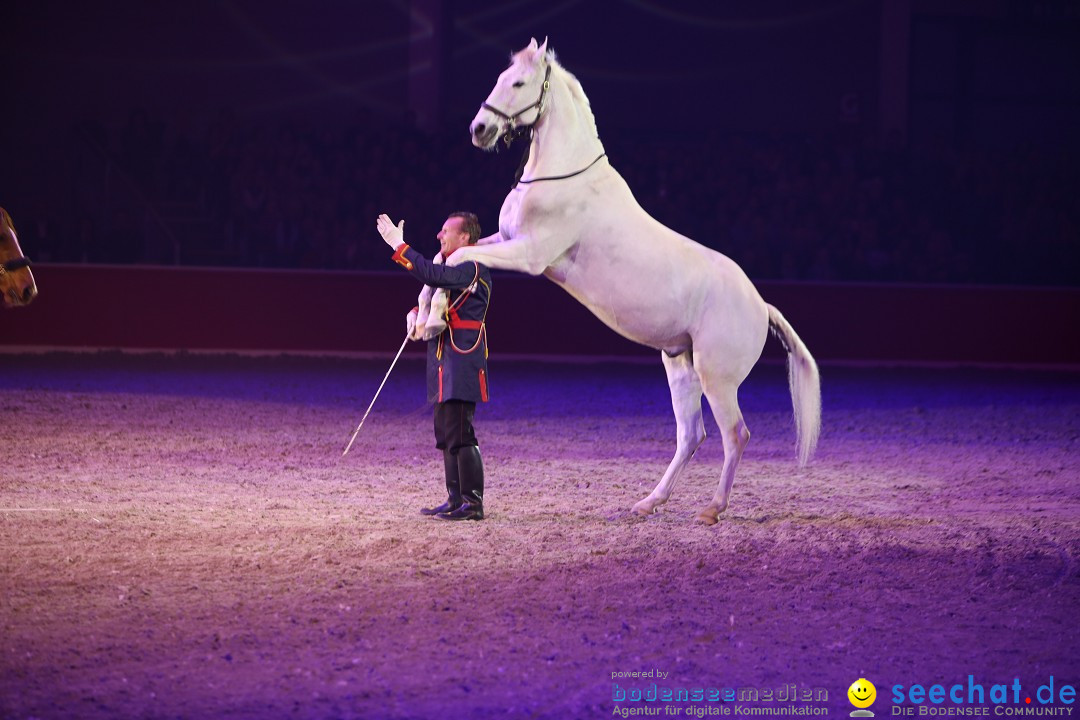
[357, 431]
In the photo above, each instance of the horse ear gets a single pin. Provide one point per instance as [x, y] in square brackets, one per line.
[542, 50]
[532, 45]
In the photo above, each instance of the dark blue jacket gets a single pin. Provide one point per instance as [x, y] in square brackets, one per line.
[457, 358]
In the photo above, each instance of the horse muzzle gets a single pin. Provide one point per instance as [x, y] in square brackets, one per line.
[484, 134]
[19, 293]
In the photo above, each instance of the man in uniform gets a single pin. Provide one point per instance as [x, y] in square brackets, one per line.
[456, 358]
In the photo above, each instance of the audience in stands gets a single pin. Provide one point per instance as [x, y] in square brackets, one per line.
[828, 208]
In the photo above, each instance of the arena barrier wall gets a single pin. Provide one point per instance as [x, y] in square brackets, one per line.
[168, 308]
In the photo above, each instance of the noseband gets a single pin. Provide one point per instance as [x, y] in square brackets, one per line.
[512, 130]
[13, 265]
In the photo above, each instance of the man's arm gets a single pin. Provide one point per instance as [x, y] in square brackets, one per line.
[427, 272]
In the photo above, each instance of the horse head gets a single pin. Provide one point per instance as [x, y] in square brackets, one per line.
[517, 100]
[17, 285]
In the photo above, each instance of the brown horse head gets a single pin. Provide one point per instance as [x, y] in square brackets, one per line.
[17, 285]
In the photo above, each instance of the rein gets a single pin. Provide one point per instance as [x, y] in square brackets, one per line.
[13, 265]
[554, 177]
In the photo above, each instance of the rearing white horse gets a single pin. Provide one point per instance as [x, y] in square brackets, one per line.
[573, 218]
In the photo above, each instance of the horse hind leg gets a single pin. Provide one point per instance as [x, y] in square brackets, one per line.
[723, 399]
[686, 402]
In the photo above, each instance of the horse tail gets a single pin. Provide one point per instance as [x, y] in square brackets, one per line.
[804, 382]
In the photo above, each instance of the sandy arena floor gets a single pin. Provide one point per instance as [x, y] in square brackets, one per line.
[179, 537]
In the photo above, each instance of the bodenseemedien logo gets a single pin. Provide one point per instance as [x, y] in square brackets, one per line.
[862, 694]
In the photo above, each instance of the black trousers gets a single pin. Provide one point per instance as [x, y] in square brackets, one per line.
[454, 425]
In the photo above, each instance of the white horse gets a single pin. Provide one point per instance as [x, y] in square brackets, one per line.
[573, 218]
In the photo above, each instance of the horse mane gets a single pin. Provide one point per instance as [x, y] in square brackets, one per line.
[576, 92]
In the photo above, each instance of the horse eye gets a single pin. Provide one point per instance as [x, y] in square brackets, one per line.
[519, 83]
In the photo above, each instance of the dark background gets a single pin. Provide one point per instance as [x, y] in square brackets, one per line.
[832, 140]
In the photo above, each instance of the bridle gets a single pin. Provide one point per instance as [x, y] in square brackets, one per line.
[513, 132]
[18, 263]
[12, 265]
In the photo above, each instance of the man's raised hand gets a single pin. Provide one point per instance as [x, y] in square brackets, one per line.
[393, 235]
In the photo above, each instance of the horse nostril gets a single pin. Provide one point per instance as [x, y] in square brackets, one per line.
[479, 129]
[29, 293]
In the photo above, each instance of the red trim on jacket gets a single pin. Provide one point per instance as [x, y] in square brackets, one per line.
[400, 259]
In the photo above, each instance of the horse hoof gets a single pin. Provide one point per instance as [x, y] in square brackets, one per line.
[708, 517]
[643, 509]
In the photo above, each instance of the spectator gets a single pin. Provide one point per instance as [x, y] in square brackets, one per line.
[818, 208]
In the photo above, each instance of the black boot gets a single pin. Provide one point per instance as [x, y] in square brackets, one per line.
[471, 474]
[453, 487]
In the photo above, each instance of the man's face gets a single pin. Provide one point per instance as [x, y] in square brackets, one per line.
[451, 236]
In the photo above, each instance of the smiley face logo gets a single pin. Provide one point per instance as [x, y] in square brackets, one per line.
[862, 693]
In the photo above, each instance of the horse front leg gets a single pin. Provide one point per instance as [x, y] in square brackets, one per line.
[686, 402]
[491, 239]
[431, 313]
[522, 254]
[431, 307]
[423, 310]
